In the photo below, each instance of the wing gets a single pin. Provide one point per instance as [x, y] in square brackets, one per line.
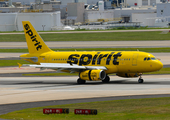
[65, 67]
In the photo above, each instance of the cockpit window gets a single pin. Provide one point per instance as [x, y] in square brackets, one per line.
[149, 58]
[152, 58]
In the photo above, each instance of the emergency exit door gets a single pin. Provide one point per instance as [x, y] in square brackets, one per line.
[134, 59]
[47, 58]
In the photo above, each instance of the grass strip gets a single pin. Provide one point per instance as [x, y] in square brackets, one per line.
[107, 36]
[5, 63]
[162, 71]
[131, 109]
[158, 50]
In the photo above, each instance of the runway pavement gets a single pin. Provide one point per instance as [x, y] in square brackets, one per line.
[92, 44]
[31, 89]
[27, 92]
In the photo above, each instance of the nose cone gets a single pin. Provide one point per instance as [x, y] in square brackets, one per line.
[158, 65]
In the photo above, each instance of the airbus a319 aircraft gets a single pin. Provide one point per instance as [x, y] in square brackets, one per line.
[91, 66]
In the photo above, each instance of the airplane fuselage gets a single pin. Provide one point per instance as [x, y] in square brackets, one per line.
[91, 65]
[115, 61]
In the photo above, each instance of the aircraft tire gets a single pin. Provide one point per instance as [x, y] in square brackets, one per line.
[106, 80]
[140, 80]
[80, 81]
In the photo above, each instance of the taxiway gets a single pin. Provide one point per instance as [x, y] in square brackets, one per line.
[31, 89]
[92, 44]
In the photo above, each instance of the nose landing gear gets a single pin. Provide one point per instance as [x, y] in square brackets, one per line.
[140, 80]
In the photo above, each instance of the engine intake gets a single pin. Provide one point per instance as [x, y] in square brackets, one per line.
[92, 75]
[127, 75]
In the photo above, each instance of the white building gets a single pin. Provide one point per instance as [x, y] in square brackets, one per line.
[163, 9]
[144, 18]
[41, 21]
[94, 16]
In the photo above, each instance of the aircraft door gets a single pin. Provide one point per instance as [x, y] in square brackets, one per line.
[134, 59]
[47, 58]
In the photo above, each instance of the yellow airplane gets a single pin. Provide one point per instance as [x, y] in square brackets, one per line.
[91, 66]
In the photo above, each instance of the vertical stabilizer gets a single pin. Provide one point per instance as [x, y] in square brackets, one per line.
[34, 42]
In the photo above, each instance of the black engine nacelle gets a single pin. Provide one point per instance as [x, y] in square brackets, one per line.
[92, 75]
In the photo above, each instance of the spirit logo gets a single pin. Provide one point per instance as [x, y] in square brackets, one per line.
[33, 37]
[85, 59]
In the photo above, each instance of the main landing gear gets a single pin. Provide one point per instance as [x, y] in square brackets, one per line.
[106, 80]
[80, 81]
[140, 80]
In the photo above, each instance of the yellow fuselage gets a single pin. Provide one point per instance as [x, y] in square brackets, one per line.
[114, 61]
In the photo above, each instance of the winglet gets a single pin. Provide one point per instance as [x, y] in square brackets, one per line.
[19, 65]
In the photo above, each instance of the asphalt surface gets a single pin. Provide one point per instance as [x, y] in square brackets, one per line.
[92, 44]
[33, 89]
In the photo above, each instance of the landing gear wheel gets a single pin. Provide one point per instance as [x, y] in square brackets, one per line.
[80, 81]
[140, 80]
[106, 80]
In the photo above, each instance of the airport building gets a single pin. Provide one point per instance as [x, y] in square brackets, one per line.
[54, 14]
[41, 21]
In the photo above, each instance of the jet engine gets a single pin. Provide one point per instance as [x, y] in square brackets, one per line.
[127, 75]
[92, 75]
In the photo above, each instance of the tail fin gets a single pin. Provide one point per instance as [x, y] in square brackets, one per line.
[34, 42]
